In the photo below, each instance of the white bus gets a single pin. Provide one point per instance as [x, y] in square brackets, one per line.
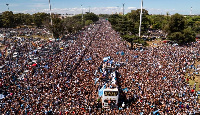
[110, 96]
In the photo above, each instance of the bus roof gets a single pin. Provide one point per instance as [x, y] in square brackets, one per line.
[110, 89]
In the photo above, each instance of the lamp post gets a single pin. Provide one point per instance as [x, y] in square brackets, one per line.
[140, 18]
[117, 9]
[89, 9]
[123, 8]
[50, 12]
[51, 16]
[82, 13]
[8, 6]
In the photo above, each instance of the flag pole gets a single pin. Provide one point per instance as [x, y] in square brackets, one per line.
[50, 12]
[50, 16]
[140, 18]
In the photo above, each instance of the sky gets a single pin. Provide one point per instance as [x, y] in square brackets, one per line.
[101, 6]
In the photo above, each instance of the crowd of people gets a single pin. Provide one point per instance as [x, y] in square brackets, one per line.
[7, 32]
[63, 78]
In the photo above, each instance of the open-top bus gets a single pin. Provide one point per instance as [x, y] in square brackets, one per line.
[110, 97]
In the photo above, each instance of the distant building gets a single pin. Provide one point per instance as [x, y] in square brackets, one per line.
[192, 15]
[65, 15]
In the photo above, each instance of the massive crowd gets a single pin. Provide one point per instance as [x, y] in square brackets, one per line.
[62, 79]
[7, 32]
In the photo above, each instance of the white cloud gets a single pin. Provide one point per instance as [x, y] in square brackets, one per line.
[96, 10]
[131, 8]
[162, 11]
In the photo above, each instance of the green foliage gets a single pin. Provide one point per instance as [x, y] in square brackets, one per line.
[18, 18]
[77, 17]
[129, 38]
[104, 16]
[8, 19]
[75, 23]
[183, 37]
[176, 23]
[121, 24]
[88, 22]
[189, 35]
[88, 16]
[194, 23]
[28, 19]
[177, 36]
[140, 41]
[134, 39]
[72, 24]
[114, 19]
[179, 30]
[91, 16]
[128, 25]
[158, 21]
[58, 27]
[134, 17]
[39, 18]
[1, 22]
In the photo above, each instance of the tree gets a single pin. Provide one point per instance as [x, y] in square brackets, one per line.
[58, 27]
[1, 22]
[19, 19]
[128, 25]
[8, 19]
[189, 35]
[194, 23]
[39, 18]
[134, 17]
[177, 37]
[176, 23]
[129, 38]
[178, 32]
[104, 16]
[28, 19]
[157, 21]
[91, 16]
[113, 19]
[73, 24]
[88, 22]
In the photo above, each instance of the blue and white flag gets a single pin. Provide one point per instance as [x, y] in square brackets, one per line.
[96, 80]
[106, 58]
[125, 89]
[154, 113]
[101, 90]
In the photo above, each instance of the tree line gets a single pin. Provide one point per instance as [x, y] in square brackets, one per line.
[179, 28]
[59, 27]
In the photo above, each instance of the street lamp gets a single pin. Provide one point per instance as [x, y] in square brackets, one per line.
[8, 6]
[117, 9]
[140, 18]
[123, 8]
[89, 9]
[82, 12]
[50, 12]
